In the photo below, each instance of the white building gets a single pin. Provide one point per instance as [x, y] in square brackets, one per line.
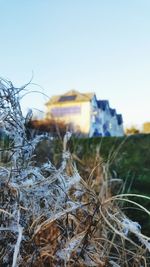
[85, 114]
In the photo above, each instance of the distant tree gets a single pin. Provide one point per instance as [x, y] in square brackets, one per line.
[132, 130]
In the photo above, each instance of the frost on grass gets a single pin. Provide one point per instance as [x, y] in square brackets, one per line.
[52, 216]
[134, 227]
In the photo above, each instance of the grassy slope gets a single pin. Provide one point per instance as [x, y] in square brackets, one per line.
[129, 159]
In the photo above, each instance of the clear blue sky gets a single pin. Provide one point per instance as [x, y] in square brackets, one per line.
[87, 45]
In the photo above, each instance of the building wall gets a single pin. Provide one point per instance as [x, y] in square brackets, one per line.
[94, 117]
[146, 127]
[120, 131]
[113, 126]
[76, 113]
[99, 122]
[106, 122]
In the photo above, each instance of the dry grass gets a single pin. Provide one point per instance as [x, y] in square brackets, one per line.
[53, 217]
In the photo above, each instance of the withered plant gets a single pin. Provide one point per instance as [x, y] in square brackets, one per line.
[52, 216]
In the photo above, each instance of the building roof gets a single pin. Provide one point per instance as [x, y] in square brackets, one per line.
[102, 104]
[70, 96]
[119, 119]
[112, 112]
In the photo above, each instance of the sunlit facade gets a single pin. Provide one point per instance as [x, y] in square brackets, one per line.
[84, 114]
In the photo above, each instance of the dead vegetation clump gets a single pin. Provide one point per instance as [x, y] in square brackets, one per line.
[51, 216]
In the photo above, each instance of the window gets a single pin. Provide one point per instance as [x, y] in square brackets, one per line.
[65, 111]
[67, 98]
